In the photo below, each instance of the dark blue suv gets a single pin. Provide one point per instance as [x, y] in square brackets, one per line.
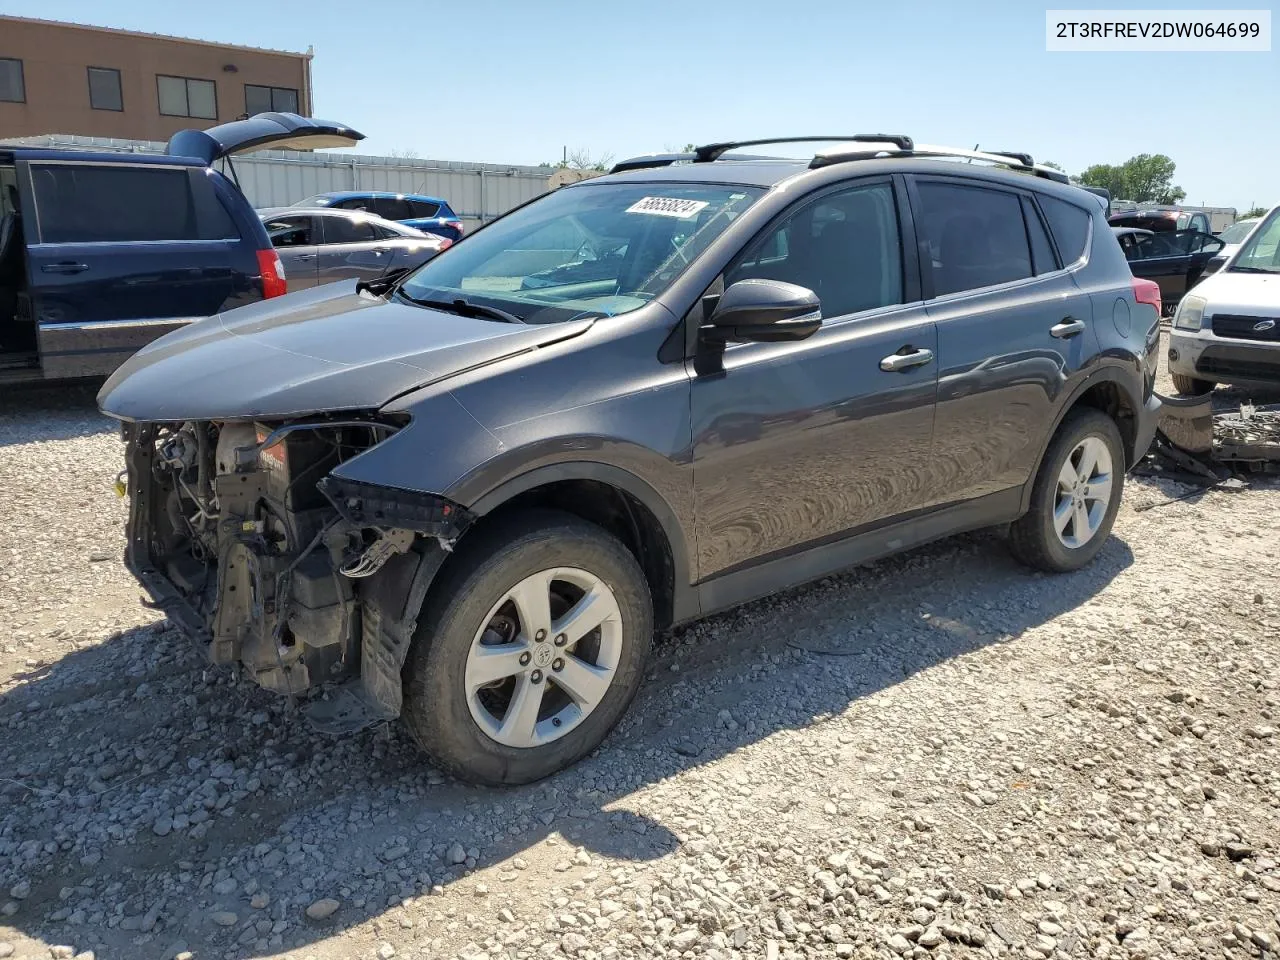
[429, 214]
[101, 253]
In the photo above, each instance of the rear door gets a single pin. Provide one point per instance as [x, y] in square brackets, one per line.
[296, 238]
[1013, 329]
[352, 247]
[122, 253]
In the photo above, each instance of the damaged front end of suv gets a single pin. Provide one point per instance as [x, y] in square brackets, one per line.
[242, 535]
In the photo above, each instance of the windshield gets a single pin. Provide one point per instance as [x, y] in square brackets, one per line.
[1261, 252]
[1237, 231]
[594, 249]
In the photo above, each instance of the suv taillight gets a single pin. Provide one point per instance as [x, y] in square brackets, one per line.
[1147, 291]
[457, 224]
[274, 283]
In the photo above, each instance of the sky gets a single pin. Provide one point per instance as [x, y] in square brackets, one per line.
[517, 82]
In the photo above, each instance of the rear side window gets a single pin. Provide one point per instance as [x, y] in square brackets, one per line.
[976, 235]
[390, 208]
[344, 230]
[1042, 258]
[107, 204]
[1069, 225]
[422, 209]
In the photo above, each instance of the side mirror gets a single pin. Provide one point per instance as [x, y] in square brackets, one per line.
[1214, 265]
[764, 311]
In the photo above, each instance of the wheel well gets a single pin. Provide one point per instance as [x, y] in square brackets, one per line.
[618, 512]
[1115, 403]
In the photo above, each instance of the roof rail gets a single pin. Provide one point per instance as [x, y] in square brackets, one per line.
[651, 160]
[713, 151]
[1014, 161]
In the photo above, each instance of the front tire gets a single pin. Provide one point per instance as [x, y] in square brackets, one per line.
[1191, 386]
[531, 647]
[1076, 495]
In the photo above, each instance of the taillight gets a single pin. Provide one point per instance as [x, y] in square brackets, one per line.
[1147, 291]
[457, 225]
[445, 244]
[274, 283]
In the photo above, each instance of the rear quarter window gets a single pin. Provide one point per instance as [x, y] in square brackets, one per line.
[423, 209]
[1069, 225]
[107, 204]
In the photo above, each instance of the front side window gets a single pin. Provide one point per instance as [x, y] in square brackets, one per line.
[976, 235]
[597, 249]
[113, 204]
[290, 231]
[104, 89]
[348, 230]
[844, 246]
[1261, 252]
[187, 97]
[13, 89]
[260, 99]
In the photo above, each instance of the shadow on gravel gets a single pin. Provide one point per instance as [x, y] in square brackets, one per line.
[37, 412]
[151, 802]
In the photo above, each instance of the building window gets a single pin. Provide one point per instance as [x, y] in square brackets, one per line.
[186, 97]
[267, 99]
[104, 89]
[12, 88]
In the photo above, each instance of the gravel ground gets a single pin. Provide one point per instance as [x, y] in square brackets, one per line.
[941, 754]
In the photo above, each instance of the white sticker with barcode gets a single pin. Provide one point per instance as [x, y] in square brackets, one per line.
[668, 207]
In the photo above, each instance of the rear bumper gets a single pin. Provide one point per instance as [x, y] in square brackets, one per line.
[1147, 421]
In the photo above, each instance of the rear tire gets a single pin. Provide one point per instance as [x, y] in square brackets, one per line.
[1076, 495]
[479, 698]
[1191, 386]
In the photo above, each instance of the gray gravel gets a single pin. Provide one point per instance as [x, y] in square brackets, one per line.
[939, 755]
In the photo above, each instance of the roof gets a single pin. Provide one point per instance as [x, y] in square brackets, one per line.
[98, 156]
[771, 172]
[377, 194]
[152, 36]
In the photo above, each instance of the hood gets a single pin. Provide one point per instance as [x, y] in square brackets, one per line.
[1249, 294]
[279, 131]
[326, 349]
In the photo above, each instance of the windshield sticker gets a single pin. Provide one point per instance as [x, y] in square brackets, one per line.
[668, 207]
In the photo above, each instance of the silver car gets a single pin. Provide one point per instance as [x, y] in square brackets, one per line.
[321, 246]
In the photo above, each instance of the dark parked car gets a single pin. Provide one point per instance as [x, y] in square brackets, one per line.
[1162, 220]
[1174, 260]
[470, 500]
[430, 214]
[320, 246]
[101, 253]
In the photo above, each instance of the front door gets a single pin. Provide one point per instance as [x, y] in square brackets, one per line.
[803, 442]
[297, 241]
[1013, 328]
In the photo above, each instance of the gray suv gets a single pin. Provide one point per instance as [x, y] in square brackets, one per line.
[469, 496]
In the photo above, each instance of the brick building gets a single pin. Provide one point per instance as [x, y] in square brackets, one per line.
[66, 78]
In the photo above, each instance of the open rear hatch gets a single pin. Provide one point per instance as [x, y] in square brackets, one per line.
[277, 131]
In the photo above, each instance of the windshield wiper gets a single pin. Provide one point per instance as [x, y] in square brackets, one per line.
[465, 308]
[1250, 270]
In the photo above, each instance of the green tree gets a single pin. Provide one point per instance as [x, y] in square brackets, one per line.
[1146, 178]
[1255, 212]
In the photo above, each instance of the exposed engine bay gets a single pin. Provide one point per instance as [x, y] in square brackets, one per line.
[244, 538]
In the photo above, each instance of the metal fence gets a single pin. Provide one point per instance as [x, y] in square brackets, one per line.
[276, 178]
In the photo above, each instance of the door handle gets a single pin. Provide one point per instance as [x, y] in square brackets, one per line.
[304, 256]
[897, 362]
[67, 267]
[1068, 328]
